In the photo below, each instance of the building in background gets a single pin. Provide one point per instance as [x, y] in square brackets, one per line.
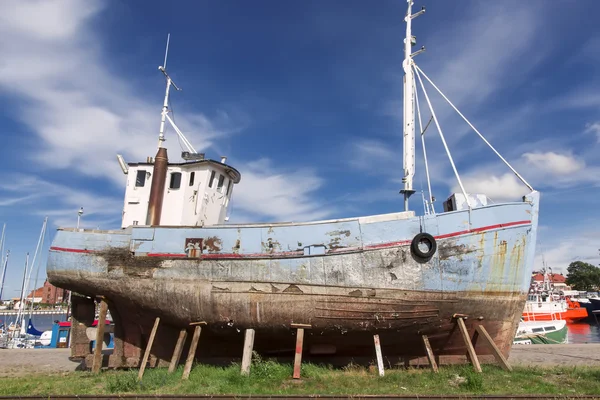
[48, 294]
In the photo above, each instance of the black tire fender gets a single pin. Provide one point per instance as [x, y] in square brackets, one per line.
[423, 237]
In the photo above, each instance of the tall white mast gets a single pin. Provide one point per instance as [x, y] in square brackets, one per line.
[409, 108]
[165, 109]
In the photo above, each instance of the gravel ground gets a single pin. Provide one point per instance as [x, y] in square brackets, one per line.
[21, 362]
[555, 355]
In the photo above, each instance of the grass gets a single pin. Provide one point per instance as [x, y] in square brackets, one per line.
[269, 377]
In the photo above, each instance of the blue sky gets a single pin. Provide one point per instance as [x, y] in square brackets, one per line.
[305, 100]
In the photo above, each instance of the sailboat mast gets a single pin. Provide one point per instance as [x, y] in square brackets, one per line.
[4, 267]
[408, 112]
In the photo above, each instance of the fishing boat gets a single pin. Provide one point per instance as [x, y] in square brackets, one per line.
[542, 332]
[545, 303]
[400, 275]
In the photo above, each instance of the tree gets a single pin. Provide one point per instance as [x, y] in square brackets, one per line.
[583, 276]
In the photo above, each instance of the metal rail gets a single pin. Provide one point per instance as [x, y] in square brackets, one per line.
[299, 397]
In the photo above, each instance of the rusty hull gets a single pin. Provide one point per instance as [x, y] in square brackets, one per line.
[348, 279]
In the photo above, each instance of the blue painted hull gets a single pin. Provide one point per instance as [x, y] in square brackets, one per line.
[346, 278]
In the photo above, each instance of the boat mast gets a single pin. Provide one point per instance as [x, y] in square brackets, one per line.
[165, 108]
[4, 267]
[409, 108]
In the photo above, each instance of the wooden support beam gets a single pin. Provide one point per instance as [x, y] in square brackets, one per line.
[468, 344]
[178, 349]
[97, 364]
[303, 326]
[148, 348]
[298, 356]
[429, 352]
[192, 352]
[198, 323]
[378, 354]
[247, 354]
[488, 339]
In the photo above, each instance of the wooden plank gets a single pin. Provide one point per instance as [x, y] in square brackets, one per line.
[378, 354]
[468, 344]
[198, 323]
[298, 356]
[178, 350]
[429, 352]
[148, 348]
[192, 353]
[247, 354]
[488, 339]
[303, 326]
[97, 363]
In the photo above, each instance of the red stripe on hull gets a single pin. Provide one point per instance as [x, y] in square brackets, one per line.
[285, 254]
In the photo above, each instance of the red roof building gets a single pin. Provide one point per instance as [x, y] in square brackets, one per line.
[554, 278]
[48, 294]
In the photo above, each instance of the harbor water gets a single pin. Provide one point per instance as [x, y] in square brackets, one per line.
[583, 332]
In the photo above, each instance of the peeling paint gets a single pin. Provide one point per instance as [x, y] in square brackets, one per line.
[292, 289]
[212, 244]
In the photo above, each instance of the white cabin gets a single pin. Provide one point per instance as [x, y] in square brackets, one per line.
[196, 193]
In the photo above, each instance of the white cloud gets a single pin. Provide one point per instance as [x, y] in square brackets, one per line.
[497, 188]
[277, 197]
[59, 202]
[554, 163]
[594, 128]
[563, 248]
[82, 112]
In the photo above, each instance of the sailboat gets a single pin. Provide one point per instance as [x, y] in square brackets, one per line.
[399, 275]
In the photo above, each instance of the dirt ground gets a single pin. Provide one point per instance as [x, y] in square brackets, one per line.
[22, 362]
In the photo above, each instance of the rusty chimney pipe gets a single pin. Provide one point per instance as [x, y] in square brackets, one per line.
[157, 190]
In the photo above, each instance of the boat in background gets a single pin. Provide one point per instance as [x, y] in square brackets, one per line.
[547, 303]
[542, 332]
[550, 307]
[399, 275]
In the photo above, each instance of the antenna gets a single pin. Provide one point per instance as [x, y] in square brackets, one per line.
[165, 108]
[166, 51]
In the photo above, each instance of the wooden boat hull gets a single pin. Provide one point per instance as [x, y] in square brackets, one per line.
[348, 279]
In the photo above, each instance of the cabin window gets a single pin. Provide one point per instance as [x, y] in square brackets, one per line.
[175, 180]
[536, 330]
[192, 176]
[212, 178]
[220, 184]
[228, 188]
[140, 178]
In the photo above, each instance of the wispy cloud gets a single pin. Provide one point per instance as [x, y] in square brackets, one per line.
[60, 203]
[285, 196]
[363, 154]
[594, 127]
[559, 250]
[82, 112]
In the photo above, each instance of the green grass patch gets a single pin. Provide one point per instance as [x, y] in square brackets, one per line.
[272, 378]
